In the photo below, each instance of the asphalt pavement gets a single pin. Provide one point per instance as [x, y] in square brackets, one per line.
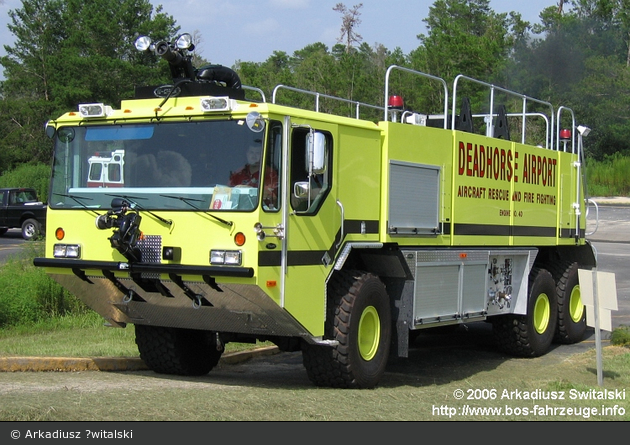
[603, 233]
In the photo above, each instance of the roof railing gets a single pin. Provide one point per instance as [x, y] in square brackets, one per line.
[318, 96]
[490, 121]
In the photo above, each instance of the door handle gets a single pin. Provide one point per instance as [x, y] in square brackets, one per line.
[343, 220]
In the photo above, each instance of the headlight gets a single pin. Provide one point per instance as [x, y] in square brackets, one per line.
[67, 251]
[233, 257]
[225, 257]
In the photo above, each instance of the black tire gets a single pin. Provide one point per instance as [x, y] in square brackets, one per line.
[530, 335]
[3, 231]
[177, 351]
[571, 311]
[359, 319]
[31, 228]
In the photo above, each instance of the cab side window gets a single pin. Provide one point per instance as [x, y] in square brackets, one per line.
[310, 169]
[273, 160]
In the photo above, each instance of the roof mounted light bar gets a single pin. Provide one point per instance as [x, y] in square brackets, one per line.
[209, 104]
[94, 110]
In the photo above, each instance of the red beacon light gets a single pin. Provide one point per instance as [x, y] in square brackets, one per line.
[565, 135]
[395, 103]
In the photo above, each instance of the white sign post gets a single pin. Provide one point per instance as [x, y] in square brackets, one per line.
[599, 295]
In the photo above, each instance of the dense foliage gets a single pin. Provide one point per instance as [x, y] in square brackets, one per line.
[36, 176]
[70, 51]
[29, 295]
[67, 52]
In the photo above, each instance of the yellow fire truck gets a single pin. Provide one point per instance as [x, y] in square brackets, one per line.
[240, 220]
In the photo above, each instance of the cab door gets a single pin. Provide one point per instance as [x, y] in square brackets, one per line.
[313, 221]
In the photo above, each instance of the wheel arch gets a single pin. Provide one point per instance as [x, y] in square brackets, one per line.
[584, 255]
[387, 262]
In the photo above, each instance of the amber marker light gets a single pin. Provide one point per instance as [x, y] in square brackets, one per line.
[239, 239]
[60, 234]
[271, 283]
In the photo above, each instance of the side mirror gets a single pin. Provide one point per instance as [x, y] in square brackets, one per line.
[255, 122]
[301, 189]
[50, 131]
[316, 153]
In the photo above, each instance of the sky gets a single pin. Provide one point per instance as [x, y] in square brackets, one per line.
[251, 30]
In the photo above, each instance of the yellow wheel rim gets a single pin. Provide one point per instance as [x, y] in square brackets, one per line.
[369, 333]
[542, 312]
[576, 308]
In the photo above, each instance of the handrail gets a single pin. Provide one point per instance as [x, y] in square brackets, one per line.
[319, 95]
[560, 109]
[529, 114]
[494, 88]
[258, 90]
[429, 76]
[590, 201]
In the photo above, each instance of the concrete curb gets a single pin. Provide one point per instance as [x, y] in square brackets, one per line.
[108, 364]
[611, 200]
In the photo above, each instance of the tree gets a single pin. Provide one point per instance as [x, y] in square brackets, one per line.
[273, 71]
[465, 37]
[581, 61]
[350, 20]
[67, 52]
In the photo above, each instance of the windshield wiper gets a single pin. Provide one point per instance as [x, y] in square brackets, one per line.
[135, 204]
[78, 200]
[188, 201]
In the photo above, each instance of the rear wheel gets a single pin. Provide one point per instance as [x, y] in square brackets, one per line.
[571, 310]
[178, 351]
[530, 335]
[360, 322]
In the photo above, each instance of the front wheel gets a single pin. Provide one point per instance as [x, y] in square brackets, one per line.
[360, 323]
[30, 229]
[530, 335]
[178, 351]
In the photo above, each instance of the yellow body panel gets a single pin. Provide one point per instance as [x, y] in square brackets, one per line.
[491, 192]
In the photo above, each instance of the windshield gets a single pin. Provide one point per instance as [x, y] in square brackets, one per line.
[212, 165]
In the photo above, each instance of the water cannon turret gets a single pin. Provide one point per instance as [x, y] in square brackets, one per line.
[126, 225]
[178, 54]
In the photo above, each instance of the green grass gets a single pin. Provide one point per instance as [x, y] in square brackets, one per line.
[609, 177]
[40, 318]
[80, 335]
[28, 294]
[422, 389]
